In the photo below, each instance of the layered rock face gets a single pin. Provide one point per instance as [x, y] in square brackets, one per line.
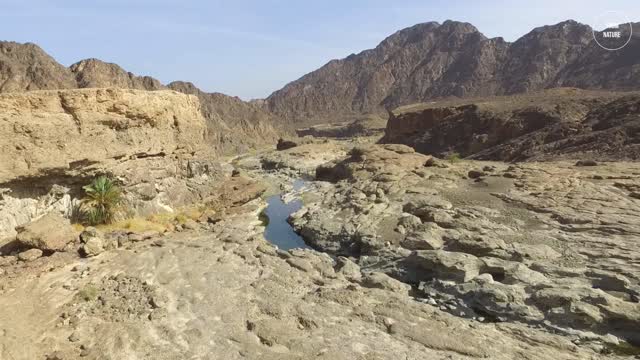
[559, 123]
[47, 130]
[235, 125]
[54, 142]
[434, 60]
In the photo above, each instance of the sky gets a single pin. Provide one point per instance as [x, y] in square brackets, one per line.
[252, 48]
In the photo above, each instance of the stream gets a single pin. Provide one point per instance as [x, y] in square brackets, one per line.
[278, 231]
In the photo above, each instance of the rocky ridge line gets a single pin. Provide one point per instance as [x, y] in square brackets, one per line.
[453, 59]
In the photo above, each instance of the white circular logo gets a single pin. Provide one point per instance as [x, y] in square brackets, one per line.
[612, 30]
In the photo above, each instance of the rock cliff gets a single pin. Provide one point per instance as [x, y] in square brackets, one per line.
[62, 129]
[553, 124]
[53, 142]
[235, 125]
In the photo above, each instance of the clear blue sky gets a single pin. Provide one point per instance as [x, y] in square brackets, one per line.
[251, 48]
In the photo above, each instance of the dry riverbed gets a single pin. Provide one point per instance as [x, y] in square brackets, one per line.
[429, 259]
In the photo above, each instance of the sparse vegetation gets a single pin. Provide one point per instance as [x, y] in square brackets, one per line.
[102, 201]
[264, 219]
[88, 293]
[159, 222]
[454, 157]
[357, 153]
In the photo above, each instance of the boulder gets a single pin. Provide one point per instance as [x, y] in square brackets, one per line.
[93, 247]
[348, 269]
[446, 265]
[418, 202]
[285, 144]
[586, 163]
[30, 255]
[475, 174]
[51, 232]
[428, 237]
[383, 281]
[93, 241]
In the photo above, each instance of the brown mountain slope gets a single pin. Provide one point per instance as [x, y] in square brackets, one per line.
[94, 73]
[27, 67]
[236, 124]
[432, 60]
[551, 124]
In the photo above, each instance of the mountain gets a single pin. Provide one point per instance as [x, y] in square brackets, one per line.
[94, 73]
[453, 59]
[234, 125]
[245, 124]
[27, 67]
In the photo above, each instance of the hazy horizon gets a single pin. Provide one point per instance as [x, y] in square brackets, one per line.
[250, 49]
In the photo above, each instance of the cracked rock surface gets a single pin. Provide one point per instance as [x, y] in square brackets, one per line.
[551, 245]
[420, 263]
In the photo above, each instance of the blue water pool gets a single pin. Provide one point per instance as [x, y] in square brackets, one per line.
[278, 231]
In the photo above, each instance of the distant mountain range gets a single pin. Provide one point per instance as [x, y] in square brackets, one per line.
[420, 63]
[453, 59]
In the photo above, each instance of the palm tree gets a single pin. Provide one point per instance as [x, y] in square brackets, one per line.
[101, 202]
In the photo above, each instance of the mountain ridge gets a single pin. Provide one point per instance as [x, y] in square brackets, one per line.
[454, 59]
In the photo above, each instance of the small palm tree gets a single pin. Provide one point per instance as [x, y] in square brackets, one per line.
[101, 202]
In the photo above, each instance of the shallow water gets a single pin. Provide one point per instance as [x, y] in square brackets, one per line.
[278, 230]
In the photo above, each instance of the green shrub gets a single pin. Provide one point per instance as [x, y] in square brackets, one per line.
[454, 157]
[264, 219]
[101, 202]
[357, 153]
[88, 293]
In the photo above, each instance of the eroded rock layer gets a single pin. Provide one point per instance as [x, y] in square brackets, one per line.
[47, 130]
[558, 123]
[547, 244]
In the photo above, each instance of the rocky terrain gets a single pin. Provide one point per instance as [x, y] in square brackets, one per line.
[54, 142]
[94, 73]
[419, 258]
[463, 233]
[27, 67]
[561, 123]
[437, 268]
[545, 244]
[371, 125]
[454, 59]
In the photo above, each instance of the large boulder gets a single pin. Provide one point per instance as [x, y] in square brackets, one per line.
[93, 242]
[51, 232]
[284, 144]
[447, 265]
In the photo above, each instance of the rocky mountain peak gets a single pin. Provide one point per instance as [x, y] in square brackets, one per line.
[429, 61]
[184, 87]
[95, 73]
[28, 67]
